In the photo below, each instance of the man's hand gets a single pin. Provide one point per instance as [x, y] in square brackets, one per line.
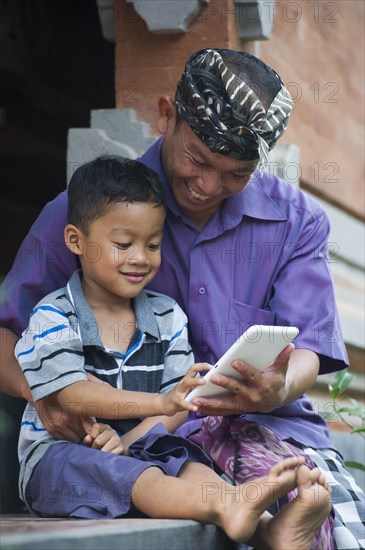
[259, 391]
[62, 423]
[104, 438]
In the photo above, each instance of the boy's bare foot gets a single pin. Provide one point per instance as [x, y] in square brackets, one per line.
[241, 509]
[296, 524]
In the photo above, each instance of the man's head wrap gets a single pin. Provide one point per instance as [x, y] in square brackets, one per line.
[225, 113]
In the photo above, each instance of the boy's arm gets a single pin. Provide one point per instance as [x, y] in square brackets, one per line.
[102, 401]
[92, 399]
[51, 355]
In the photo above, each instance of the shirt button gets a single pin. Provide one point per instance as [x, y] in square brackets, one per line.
[201, 290]
[205, 349]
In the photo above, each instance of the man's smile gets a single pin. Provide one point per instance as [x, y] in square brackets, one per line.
[197, 195]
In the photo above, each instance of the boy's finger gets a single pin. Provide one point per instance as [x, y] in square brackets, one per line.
[118, 450]
[191, 384]
[107, 446]
[112, 446]
[199, 367]
[184, 405]
[101, 440]
[87, 440]
[96, 429]
[88, 423]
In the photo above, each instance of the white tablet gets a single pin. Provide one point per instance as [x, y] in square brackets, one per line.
[258, 346]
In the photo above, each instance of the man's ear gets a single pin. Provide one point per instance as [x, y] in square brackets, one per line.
[73, 239]
[166, 113]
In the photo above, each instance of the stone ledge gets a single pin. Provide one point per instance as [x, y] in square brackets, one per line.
[25, 532]
[164, 16]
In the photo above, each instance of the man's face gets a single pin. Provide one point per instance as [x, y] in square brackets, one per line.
[200, 180]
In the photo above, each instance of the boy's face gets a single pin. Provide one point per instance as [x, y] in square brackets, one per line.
[121, 253]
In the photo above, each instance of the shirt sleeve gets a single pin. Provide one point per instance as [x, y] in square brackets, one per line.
[50, 352]
[179, 356]
[304, 295]
[43, 264]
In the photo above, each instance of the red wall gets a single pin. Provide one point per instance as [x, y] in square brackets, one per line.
[318, 49]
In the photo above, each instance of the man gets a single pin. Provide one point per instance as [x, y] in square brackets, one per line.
[240, 248]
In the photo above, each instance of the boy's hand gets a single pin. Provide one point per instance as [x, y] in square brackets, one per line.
[104, 438]
[174, 400]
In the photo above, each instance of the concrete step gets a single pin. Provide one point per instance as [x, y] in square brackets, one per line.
[24, 532]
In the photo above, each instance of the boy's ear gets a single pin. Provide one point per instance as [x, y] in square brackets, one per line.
[166, 113]
[73, 239]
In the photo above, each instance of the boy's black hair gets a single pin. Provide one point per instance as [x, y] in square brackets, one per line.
[107, 180]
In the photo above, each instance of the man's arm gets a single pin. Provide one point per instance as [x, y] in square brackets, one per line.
[12, 379]
[13, 382]
[301, 375]
[292, 374]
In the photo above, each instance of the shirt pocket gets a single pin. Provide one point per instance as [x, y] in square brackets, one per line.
[246, 315]
[239, 318]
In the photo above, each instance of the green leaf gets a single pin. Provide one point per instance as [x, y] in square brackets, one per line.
[342, 381]
[357, 465]
[356, 403]
[326, 415]
[357, 430]
[352, 411]
[334, 391]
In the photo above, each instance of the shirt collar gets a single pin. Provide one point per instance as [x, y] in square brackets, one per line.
[254, 201]
[145, 315]
[146, 320]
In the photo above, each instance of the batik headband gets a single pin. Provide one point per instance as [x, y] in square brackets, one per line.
[225, 113]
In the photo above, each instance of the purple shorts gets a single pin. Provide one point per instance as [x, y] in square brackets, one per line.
[76, 481]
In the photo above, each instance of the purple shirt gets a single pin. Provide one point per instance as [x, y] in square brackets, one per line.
[262, 259]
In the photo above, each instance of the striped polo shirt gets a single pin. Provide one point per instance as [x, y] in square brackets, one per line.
[62, 343]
